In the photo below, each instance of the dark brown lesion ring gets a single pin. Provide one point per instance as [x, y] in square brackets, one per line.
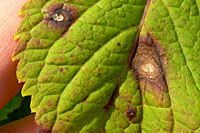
[61, 16]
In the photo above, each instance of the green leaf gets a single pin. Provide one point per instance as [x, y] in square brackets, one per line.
[75, 58]
[17, 108]
[175, 28]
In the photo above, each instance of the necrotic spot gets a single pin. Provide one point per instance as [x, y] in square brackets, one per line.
[61, 18]
[131, 113]
[146, 62]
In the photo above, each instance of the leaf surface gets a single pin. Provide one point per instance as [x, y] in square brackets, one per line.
[72, 72]
[175, 28]
[78, 72]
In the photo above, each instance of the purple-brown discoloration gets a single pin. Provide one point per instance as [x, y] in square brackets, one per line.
[60, 69]
[21, 47]
[42, 130]
[118, 44]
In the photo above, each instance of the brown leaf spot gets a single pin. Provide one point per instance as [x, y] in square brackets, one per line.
[146, 62]
[50, 104]
[61, 58]
[84, 99]
[61, 16]
[118, 44]
[131, 114]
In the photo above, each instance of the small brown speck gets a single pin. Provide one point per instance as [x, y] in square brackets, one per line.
[118, 44]
[61, 58]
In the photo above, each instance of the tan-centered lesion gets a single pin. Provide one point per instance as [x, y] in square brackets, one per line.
[146, 63]
[150, 72]
[148, 67]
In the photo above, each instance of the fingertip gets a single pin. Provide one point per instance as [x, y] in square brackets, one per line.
[8, 26]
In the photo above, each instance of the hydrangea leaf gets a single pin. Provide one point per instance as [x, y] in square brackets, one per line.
[78, 73]
[72, 71]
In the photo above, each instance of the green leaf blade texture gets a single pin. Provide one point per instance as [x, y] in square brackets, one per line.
[15, 109]
[72, 73]
[128, 99]
[174, 25]
[12, 105]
